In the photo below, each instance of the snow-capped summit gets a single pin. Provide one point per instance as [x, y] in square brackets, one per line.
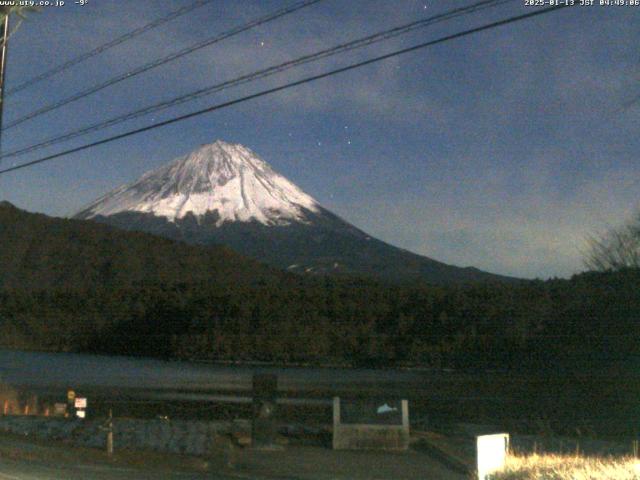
[221, 177]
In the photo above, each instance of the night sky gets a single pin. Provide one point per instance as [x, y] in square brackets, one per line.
[502, 150]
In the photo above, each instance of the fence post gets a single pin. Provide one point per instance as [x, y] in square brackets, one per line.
[336, 411]
[264, 427]
[634, 448]
[336, 423]
[110, 434]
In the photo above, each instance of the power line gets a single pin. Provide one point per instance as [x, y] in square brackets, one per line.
[106, 46]
[162, 61]
[287, 86]
[352, 45]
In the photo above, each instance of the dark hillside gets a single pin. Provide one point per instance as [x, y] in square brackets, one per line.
[40, 252]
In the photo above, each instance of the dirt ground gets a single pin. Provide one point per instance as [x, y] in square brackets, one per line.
[317, 463]
[290, 462]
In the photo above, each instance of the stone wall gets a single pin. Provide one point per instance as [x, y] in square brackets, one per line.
[177, 436]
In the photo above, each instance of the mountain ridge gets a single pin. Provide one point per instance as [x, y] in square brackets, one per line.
[241, 202]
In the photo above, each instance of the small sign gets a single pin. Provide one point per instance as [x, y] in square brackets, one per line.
[59, 408]
[71, 395]
[370, 412]
[492, 453]
[80, 402]
[382, 409]
[81, 413]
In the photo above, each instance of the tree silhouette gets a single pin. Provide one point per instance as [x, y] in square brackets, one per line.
[616, 249]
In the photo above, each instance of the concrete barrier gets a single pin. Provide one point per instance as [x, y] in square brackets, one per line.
[370, 436]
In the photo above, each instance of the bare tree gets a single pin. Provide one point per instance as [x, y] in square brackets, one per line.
[615, 249]
[21, 12]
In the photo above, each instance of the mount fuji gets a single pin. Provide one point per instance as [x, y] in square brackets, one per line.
[224, 193]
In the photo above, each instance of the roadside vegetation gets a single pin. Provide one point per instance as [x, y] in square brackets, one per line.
[568, 467]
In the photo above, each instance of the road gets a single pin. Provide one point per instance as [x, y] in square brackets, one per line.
[29, 470]
[23, 458]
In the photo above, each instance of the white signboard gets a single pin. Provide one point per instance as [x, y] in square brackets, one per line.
[492, 453]
[80, 402]
[59, 408]
[81, 413]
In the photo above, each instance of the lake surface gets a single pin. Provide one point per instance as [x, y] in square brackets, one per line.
[61, 370]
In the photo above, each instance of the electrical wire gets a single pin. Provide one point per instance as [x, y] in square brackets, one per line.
[338, 49]
[106, 46]
[162, 61]
[286, 86]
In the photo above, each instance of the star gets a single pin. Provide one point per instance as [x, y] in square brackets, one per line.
[348, 142]
[262, 44]
[319, 144]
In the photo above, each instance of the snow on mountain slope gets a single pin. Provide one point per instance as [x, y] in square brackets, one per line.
[220, 177]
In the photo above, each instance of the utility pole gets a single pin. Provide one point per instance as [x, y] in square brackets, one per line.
[107, 427]
[4, 35]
